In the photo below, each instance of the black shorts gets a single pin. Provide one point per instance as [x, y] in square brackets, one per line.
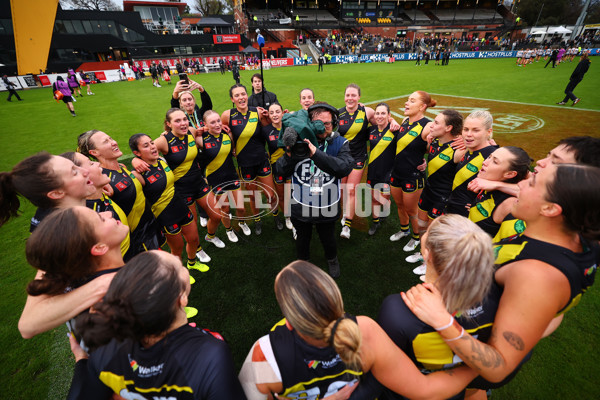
[431, 204]
[175, 228]
[191, 194]
[67, 99]
[226, 187]
[359, 165]
[248, 174]
[279, 179]
[382, 187]
[408, 185]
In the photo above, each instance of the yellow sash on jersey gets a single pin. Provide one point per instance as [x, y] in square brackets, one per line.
[508, 228]
[408, 138]
[192, 152]
[276, 156]
[356, 126]
[433, 352]
[165, 199]
[468, 171]
[139, 206]
[440, 160]
[380, 147]
[118, 383]
[507, 252]
[247, 133]
[221, 157]
[123, 218]
[482, 210]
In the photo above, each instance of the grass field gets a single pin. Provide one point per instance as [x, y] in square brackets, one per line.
[236, 296]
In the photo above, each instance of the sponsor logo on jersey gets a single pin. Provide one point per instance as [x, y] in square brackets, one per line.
[209, 145]
[167, 168]
[121, 186]
[471, 167]
[589, 271]
[519, 226]
[191, 144]
[386, 138]
[253, 120]
[226, 141]
[134, 365]
[272, 138]
[324, 364]
[175, 149]
[343, 122]
[360, 120]
[413, 133]
[236, 122]
[444, 157]
[152, 179]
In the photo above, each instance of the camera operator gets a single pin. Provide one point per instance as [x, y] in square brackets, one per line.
[316, 173]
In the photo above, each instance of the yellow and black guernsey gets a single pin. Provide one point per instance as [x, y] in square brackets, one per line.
[128, 193]
[353, 127]
[421, 342]
[218, 161]
[183, 159]
[270, 135]
[440, 169]
[510, 227]
[466, 170]
[246, 133]
[187, 364]
[482, 212]
[167, 206]
[410, 149]
[578, 268]
[307, 372]
[381, 158]
[106, 204]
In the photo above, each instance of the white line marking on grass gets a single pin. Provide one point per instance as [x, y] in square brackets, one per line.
[501, 101]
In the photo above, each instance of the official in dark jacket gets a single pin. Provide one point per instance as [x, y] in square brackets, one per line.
[576, 77]
[316, 180]
[260, 97]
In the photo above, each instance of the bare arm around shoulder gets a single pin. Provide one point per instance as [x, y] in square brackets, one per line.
[393, 369]
[44, 312]
[533, 293]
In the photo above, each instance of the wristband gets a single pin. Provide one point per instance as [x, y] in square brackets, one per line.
[446, 326]
[462, 332]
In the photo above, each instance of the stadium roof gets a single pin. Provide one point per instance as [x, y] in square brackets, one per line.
[212, 21]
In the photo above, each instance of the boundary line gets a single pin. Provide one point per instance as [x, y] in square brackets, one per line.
[501, 101]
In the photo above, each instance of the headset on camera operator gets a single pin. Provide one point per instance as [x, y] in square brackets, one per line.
[316, 159]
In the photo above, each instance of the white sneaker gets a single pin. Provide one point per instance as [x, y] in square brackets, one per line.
[157, 85]
[399, 235]
[420, 270]
[288, 223]
[345, 232]
[411, 245]
[232, 236]
[343, 221]
[203, 222]
[417, 257]
[245, 228]
[202, 256]
[294, 234]
[216, 241]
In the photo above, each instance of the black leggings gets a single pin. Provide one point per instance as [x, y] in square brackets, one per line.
[569, 91]
[326, 231]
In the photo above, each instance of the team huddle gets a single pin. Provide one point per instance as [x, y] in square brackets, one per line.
[478, 220]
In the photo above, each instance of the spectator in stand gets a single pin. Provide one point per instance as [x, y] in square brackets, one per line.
[260, 96]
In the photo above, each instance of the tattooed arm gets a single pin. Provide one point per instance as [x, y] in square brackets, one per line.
[533, 293]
